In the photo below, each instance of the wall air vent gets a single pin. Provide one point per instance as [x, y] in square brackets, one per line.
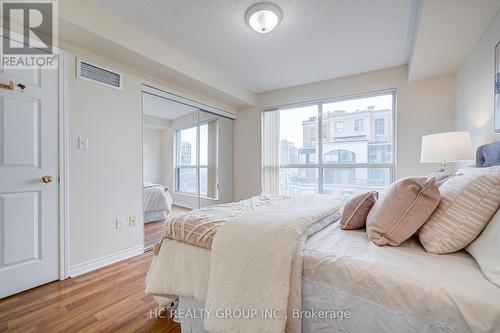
[92, 72]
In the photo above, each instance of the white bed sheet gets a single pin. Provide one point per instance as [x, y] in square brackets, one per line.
[385, 289]
[394, 289]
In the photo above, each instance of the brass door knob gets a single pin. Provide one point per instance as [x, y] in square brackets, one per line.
[47, 179]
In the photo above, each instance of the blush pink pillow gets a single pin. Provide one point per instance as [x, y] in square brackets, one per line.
[356, 210]
[468, 203]
[405, 206]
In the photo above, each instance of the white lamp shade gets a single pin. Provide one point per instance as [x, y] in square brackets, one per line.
[446, 147]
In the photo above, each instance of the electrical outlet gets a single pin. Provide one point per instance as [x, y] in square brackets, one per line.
[120, 222]
[132, 221]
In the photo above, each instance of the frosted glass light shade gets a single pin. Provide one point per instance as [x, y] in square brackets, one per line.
[263, 17]
[446, 147]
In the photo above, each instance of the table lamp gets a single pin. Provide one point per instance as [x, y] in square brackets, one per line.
[446, 147]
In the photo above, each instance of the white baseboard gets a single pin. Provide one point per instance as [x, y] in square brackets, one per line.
[94, 264]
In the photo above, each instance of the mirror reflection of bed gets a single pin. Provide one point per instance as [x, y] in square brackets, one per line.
[187, 159]
[157, 207]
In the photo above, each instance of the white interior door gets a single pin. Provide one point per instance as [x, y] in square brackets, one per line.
[29, 226]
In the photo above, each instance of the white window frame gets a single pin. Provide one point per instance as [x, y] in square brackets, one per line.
[320, 166]
[197, 166]
[178, 167]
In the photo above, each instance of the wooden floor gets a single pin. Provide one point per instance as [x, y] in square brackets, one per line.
[111, 299]
[154, 231]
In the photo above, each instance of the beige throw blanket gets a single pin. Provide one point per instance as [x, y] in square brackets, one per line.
[199, 226]
[256, 265]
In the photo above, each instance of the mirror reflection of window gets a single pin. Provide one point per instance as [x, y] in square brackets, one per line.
[188, 167]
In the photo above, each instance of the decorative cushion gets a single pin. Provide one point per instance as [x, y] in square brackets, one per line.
[485, 249]
[356, 210]
[468, 201]
[488, 155]
[402, 210]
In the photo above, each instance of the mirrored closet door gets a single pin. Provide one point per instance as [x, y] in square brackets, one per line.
[194, 156]
[187, 159]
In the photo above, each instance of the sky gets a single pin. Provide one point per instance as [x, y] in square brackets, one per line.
[291, 119]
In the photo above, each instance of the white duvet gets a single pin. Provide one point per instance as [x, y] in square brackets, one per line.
[156, 198]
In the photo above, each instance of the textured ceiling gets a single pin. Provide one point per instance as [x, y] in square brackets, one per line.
[316, 40]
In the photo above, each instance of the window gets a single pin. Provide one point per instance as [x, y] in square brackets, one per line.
[297, 162]
[339, 127]
[298, 135]
[334, 177]
[358, 125]
[379, 153]
[379, 127]
[187, 168]
[340, 156]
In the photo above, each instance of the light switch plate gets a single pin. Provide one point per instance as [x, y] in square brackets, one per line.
[120, 222]
[83, 143]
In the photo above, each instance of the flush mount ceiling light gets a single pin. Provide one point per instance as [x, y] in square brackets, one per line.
[263, 17]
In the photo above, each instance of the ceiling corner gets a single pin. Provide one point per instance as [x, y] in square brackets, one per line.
[441, 49]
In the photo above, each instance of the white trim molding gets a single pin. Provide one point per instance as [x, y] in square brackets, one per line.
[63, 167]
[94, 264]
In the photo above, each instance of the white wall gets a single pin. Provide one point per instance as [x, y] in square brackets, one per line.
[152, 155]
[105, 182]
[155, 122]
[475, 84]
[247, 154]
[423, 107]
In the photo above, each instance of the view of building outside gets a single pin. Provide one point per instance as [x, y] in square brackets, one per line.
[355, 134]
[185, 153]
[187, 160]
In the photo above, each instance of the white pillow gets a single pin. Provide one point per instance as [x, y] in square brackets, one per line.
[474, 171]
[486, 249]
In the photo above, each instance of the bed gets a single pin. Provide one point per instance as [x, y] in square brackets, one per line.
[384, 289]
[347, 284]
[157, 202]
